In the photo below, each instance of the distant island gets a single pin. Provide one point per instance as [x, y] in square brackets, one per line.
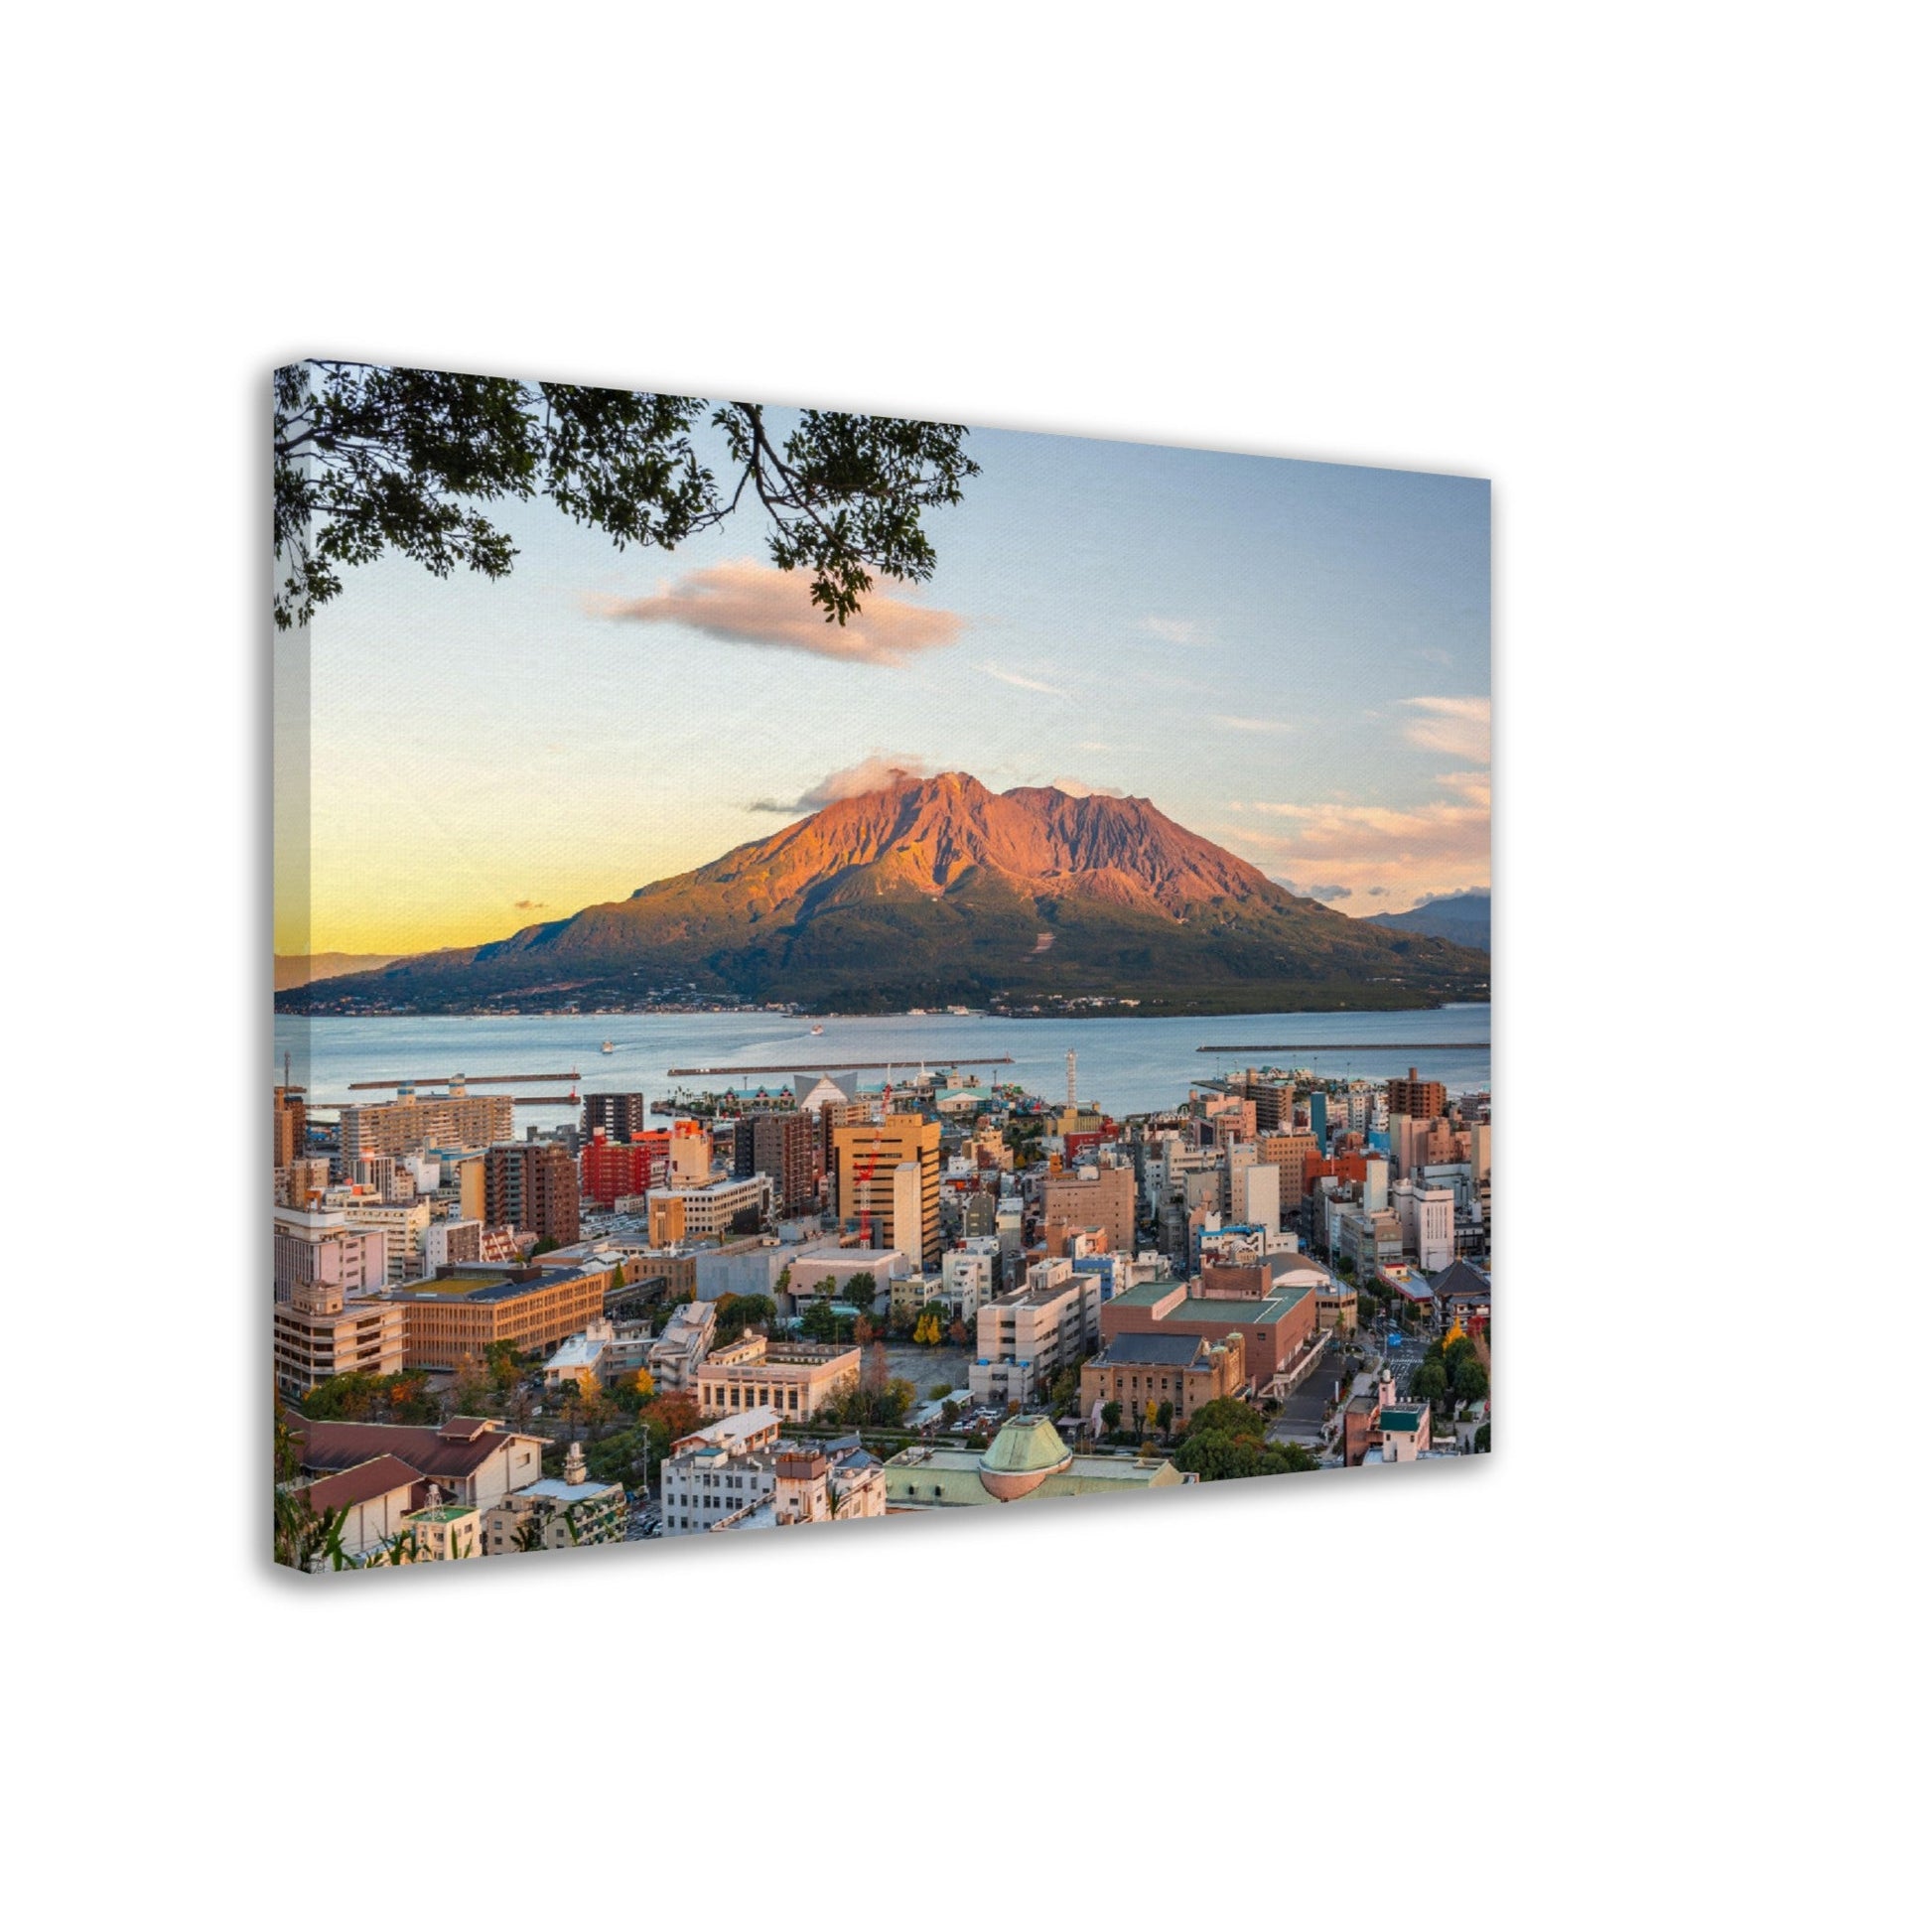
[937, 892]
[294, 969]
[1460, 917]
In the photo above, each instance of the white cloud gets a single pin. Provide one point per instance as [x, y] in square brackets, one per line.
[877, 772]
[1458, 727]
[1020, 683]
[1273, 726]
[1178, 630]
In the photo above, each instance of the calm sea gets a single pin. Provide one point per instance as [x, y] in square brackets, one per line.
[1125, 1065]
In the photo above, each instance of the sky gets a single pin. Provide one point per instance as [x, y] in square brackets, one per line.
[1290, 658]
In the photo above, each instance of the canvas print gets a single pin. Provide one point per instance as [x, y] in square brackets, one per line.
[830, 966]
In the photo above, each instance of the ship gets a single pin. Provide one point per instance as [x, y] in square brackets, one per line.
[607, 1048]
[818, 1029]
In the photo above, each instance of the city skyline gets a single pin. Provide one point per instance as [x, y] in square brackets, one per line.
[484, 754]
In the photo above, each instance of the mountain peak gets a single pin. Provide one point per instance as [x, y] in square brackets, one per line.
[937, 887]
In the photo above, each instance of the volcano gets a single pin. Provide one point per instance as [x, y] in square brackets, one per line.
[938, 890]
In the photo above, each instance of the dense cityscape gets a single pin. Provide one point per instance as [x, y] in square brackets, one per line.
[834, 1295]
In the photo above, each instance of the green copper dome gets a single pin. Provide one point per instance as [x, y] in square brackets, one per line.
[1027, 1450]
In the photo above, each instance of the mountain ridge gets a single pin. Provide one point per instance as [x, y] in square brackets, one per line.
[1463, 917]
[935, 891]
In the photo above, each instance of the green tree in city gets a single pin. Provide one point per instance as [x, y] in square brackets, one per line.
[370, 460]
[1430, 1382]
[1472, 1379]
[736, 1312]
[1110, 1415]
[820, 1322]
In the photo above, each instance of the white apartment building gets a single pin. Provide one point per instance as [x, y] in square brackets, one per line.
[726, 1467]
[676, 1354]
[449, 1244]
[1426, 1211]
[684, 1215]
[316, 1247]
[970, 1276]
[405, 1223]
[1257, 1194]
[1026, 1339]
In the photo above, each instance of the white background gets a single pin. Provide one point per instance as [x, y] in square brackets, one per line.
[1653, 269]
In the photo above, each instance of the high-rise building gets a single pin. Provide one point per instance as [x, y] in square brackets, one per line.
[532, 1184]
[616, 1116]
[1103, 1199]
[321, 1248]
[321, 1332]
[408, 1125]
[1273, 1100]
[1421, 1099]
[609, 1169]
[290, 1124]
[866, 1163]
[784, 1145]
[1290, 1155]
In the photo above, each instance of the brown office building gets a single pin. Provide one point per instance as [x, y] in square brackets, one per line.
[1274, 1101]
[1107, 1203]
[1419, 1099]
[459, 1316]
[1290, 1155]
[784, 1146]
[532, 1184]
[619, 1116]
[290, 1124]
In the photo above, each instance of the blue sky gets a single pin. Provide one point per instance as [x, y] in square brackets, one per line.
[1292, 658]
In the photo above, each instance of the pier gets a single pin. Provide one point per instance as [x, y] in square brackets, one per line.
[1357, 1046]
[466, 1081]
[840, 1065]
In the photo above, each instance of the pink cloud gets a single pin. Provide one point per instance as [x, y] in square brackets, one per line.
[750, 603]
[1400, 857]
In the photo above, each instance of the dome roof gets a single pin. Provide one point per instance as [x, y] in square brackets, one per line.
[1027, 1450]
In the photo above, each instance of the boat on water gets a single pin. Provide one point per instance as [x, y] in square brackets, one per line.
[607, 1048]
[818, 1029]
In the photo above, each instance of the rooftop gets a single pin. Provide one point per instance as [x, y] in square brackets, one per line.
[361, 1484]
[497, 1285]
[550, 1489]
[1214, 1307]
[1170, 1350]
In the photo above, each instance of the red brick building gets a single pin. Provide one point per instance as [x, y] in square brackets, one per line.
[1274, 1328]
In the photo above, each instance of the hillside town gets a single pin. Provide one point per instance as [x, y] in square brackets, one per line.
[830, 1299]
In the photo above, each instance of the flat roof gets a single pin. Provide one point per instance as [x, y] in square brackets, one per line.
[493, 1287]
[553, 1491]
[1178, 1350]
[1271, 1306]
